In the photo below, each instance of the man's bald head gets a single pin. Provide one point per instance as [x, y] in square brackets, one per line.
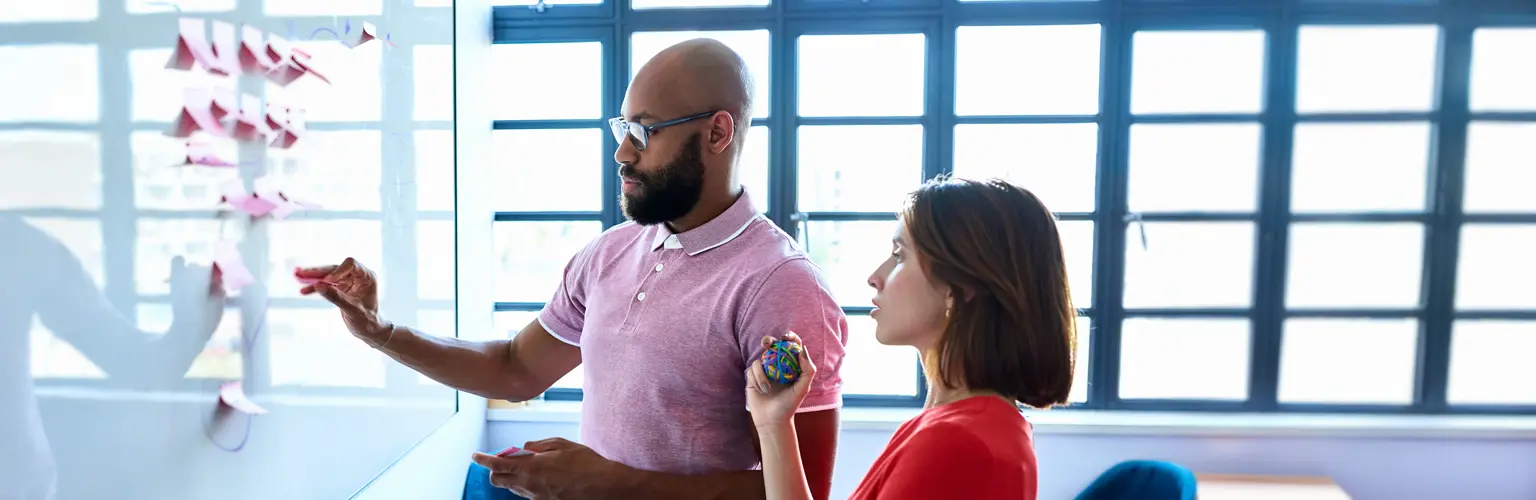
[687, 171]
[694, 76]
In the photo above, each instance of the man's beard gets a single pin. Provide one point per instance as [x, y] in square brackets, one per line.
[669, 193]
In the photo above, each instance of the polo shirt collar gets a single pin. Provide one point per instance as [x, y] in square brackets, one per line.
[718, 231]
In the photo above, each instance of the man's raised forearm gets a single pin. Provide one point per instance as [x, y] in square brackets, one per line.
[484, 369]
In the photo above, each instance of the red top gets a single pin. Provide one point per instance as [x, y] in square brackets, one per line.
[975, 448]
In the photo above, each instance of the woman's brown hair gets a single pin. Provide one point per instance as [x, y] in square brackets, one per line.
[995, 247]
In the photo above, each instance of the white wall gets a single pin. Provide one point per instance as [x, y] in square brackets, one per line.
[1369, 468]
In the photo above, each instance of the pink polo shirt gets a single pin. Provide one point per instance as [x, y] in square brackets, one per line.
[667, 324]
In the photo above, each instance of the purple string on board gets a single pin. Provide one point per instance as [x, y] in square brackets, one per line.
[247, 342]
[173, 6]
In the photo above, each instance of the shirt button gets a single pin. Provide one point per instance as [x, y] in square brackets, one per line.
[659, 266]
[640, 297]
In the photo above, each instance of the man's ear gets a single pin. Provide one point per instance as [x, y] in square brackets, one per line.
[722, 132]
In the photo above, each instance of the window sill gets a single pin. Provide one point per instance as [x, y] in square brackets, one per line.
[1087, 422]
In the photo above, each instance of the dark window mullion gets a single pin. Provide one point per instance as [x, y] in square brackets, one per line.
[1442, 237]
[1274, 216]
[615, 80]
[1110, 207]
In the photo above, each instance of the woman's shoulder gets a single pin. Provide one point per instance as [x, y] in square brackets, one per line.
[993, 426]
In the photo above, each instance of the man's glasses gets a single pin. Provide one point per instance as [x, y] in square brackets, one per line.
[640, 134]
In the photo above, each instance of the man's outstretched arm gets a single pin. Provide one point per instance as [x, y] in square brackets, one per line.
[516, 369]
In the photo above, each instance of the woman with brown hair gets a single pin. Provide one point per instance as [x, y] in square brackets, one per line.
[977, 282]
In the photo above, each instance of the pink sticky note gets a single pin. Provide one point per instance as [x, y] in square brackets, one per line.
[250, 124]
[283, 70]
[233, 396]
[302, 60]
[309, 281]
[513, 451]
[226, 47]
[285, 209]
[225, 103]
[267, 189]
[226, 257]
[365, 35]
[254, 57]
[196, 115]
[254, 205]
[287, 125]
[203, 154]
[192, 46]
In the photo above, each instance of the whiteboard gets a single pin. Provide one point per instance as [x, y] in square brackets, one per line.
[112, 353]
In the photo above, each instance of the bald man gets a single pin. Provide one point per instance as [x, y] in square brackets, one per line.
[664, 313]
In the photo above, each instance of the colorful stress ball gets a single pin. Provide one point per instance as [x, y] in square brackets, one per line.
[781, 362]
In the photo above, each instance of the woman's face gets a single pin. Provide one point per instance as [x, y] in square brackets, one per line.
[909, 308]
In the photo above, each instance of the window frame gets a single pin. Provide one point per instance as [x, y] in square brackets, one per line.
[1119, 20]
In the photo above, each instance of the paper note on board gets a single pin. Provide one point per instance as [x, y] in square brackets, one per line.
[283, 70]
[304, 61]
[287, 126]
[366, 34]
[252, 204]
[232, 394]
[267, 189]
[250, 123]
[196, 115]
[226, 257]
[201, 153]
[194, 49]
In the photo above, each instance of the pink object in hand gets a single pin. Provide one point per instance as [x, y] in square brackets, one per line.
[513, 451]
[310, 281]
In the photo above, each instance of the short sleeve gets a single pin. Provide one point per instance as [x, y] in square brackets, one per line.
[566, 313]
[947, 461]
[794, 298]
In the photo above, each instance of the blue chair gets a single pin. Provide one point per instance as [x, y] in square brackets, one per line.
[1142, 480]
[477, 486]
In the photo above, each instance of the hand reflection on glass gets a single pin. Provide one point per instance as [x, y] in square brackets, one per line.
[40, 277]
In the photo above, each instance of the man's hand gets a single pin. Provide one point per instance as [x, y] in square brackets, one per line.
[558, 469]
[354, 289]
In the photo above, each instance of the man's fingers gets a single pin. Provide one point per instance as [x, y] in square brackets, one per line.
[549, 444]
[793, 337]
[314, 272]
[335, 297]
[503, 480]
[510, 482]
[495, 463]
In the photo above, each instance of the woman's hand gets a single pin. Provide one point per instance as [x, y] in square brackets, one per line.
[773, 404]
